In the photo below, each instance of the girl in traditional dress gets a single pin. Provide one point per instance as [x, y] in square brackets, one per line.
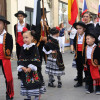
[29, 67]
[54, 65]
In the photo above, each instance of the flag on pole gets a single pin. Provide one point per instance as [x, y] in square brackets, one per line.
[99, 8]
[72, 11]
[36, 13]
[84, 7]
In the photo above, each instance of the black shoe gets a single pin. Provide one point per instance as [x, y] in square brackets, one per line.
[8, 98]
[19, 77]
[76, 79]
[88, 91]
[59, 84]
[53, 80]
[27, 99]
[51, 85]
[84, 79]
[77, 85]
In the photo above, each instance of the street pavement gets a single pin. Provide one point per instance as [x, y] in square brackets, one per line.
[67, 92]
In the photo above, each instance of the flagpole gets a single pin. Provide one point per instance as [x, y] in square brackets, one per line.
[78, 17]
[44, 26]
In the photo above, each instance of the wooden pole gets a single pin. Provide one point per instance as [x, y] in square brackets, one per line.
[78, 17]
[43, 10]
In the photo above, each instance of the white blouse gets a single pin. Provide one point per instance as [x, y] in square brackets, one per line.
[80, 39]
[1, 36]
[20, 27]
[89, 51]
[28, 46]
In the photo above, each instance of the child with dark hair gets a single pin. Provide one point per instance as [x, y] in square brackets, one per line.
[92, 62]
[6, 47]
[29, 67]
[79, 46]
[54, 64]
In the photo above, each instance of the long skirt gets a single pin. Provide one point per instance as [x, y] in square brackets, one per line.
[52, 68]
[32, 92]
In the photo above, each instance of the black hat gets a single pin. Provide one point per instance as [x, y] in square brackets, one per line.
[20, 12]
[44, 11]
[2, 18]
[94, 35]
[80, 23]
[54, 31]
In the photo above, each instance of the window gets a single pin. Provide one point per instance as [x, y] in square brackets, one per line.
[29, 18]
[63, 13]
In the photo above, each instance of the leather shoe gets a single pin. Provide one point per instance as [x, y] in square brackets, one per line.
[77, 85]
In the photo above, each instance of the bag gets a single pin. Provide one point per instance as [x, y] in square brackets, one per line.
[30, 80]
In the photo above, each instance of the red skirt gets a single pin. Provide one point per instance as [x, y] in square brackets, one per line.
[94, 72]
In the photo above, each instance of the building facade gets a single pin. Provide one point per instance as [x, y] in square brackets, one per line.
[58, 11]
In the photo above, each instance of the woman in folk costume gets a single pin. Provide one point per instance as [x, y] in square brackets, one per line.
[6, 46]
[79, 46]
[97, 29]
[18, 30]
[92, 62]
[29, 67]
[87, 20]
[54, 65]
[89, 28]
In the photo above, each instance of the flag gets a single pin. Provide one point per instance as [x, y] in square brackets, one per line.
[99, 8]
[72, 11]
[84, 7]
[36, 13]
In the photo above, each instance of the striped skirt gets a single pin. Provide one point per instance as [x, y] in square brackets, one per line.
[33, 92]
[52, 68]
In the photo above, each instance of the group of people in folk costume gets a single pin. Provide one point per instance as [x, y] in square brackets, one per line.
[87, 54]
[33, 43]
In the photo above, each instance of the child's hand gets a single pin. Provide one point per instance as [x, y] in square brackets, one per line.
[44, 39]
[24, 69]
[85, 65]
[54, 51]
[29, 70]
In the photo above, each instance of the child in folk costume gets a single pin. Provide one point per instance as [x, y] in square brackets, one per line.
[54, 65]
[6, 46]
[92, 62]
[29, 66]
[79, 46]
[18, 30]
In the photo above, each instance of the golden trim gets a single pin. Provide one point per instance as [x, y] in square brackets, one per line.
[4, 39]
[83, 44]
[92, 57]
